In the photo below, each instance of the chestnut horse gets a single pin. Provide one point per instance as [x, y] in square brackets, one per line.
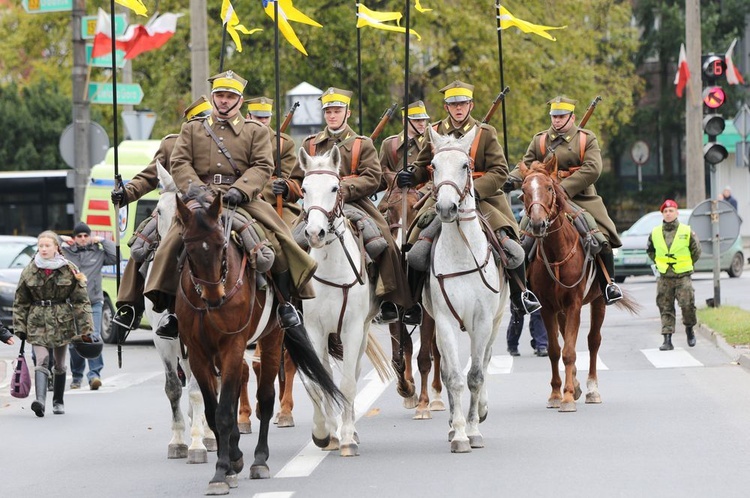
[220, 311]
[564, 277]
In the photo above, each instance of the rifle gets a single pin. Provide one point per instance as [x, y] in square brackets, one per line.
[589, 111]
[383, 121]
[495, 104]
[282, 128]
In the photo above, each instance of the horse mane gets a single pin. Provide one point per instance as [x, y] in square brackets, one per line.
[198, 200]
[549, 168]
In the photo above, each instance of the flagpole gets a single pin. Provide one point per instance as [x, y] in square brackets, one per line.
[406, 102]
[359, 73]
[502, 77]
[223, 48]
[277, 90]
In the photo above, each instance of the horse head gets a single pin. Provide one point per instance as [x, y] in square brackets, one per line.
[167, 205]
[323, 202]
[452, 167]
[205, 244]
[542, 195]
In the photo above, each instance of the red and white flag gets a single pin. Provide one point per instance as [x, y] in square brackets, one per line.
[683, 72]
[734, 77]
[137, 38]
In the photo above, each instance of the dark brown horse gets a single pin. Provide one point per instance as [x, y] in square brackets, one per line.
[220, 312]
[564, 277]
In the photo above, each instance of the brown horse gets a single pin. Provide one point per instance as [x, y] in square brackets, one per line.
[402, 347]
[220, 311]
[564, 277]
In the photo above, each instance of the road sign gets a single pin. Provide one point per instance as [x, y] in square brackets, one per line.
[742, 121]
[139, 124]
[88, 26]
[104, 60]
[44, 6]
[98, 144]
[729, 225]
[640, 152]
[127, 93]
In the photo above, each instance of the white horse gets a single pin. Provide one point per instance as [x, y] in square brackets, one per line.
[345, 301]
[202, 438]
[466, 291]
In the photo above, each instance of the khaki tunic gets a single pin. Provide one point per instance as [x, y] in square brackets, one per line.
[148, 179]
[55, 325]
[196, 157]
[580, 185]
[290, 209]
[391, 163]
[490, 160]
[356, 190]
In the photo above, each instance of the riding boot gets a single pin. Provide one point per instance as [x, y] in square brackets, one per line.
[690, 336]
[41, 375]
[58, 407]
[416, 279]
[667, 346]
[286, 312]
[169, 329]
[128, 316]
[523, 299]
[612, 292]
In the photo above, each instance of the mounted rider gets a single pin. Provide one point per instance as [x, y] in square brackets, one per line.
[232, 157]
[579, 164]
[490, 171]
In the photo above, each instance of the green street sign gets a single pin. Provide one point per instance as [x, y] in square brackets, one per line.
[127, 93]
[104, 60]
[44, 6]
[88, 26]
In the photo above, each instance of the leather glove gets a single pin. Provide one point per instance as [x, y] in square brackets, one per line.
[280, 187]
[118, 195]
[233, 197]
[405, 178]
[509, 186]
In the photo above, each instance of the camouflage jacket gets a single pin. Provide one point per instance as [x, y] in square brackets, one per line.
[52, 309]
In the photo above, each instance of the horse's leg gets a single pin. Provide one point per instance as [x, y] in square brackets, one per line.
[270, 359]
[549, 316]
[475, 380]
[354, 341]
[284, 418]
[571, 388]
[598, 310]
[453, 379]
[424, 364]
[202, 439]
[177, 447]
[401, 354]
[323, 430]
[243, 415]
[436, 389]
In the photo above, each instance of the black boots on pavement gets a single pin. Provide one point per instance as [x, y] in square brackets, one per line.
[58, 407]
[690, 336]
[667, 345]
[41, 375]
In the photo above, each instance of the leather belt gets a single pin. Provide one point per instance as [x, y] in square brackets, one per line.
[218, 179]
[48, 302]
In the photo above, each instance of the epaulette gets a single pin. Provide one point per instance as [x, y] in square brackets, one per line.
[254, 122]
[198, 118]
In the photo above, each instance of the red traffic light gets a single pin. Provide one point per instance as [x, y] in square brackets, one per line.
[714, 67]
[714, 97]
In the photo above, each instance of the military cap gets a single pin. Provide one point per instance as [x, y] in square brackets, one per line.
[260, 106]
[561, 105]
[669, 203]
[416, 110]
[458, 91]
[228, 81]
[336, 97]
[201, 107]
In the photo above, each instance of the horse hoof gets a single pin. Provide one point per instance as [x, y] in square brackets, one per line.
[232, 481]
[260, 472]
[285, 420]
[177, 451]
[245, 427]
[333, 444]
[321, 442]
[578, 392]
[238, 465]
[349, 450]
[210, 444]
[197, 456]
[593, 398]
[407, 391]
[460, 446]
[437, 405]
[422, 414]
[217, 488]
[483, 416]
[451, 433]
[553, 403]
[411, 402]
[476, 441]
[568, 406]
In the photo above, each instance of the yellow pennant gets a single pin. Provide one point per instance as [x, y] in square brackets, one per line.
[288, 12]
[507, 20]
[373, 19]
[134, 5]
[232, 24]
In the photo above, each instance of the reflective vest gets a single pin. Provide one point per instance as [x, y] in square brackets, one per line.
[678, 253]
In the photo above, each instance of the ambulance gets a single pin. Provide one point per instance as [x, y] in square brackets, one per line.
[100, 215]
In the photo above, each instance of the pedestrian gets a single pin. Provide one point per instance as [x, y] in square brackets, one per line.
[360, 178]
[536, 328]
[231, 157]
[6, 335]
[579, 164]
[726, 195]
[491, 170]
[51, 309]
[674, 248]
[130, 293]
[89, 253]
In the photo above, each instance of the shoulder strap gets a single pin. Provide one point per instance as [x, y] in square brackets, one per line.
[475, 145]
[356, 147]
[311, 147]
[582, 145]
[543, 144]
[394, 151]
[222, 148]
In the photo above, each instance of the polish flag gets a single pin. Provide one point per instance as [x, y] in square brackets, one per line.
[734, 77]
[137, 38]
[683, 73]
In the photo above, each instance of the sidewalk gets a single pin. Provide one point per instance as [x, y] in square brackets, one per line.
[739, 355]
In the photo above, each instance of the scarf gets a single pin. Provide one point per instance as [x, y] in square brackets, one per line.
[50, 264]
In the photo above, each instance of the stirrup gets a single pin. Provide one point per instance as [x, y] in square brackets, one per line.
[288, 315]
[612, 293]
[530, 302]
[125, 317]
[413, 316]
[388, 312]
[168, 330]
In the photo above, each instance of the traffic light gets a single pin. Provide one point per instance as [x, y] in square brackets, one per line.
[714, 97]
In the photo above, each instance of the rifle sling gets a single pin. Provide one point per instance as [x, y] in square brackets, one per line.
[222, 148]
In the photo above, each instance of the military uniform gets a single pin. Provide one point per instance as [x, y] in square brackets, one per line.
[392, 148]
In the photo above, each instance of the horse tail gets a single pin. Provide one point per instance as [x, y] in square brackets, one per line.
[628, 304]
[379, 359]
[301, 351]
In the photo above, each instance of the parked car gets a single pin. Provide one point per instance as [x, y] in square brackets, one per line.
[631, 259]
[15, 253]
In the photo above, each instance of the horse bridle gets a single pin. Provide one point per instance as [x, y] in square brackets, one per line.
[552, 211]
[462, 193]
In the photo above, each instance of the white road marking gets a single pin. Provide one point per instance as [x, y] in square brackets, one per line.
[116, 383]
[274, 494]
[582, 362]
[679, 358]
[499, 364]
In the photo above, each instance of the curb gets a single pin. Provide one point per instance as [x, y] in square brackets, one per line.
[739, 356]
